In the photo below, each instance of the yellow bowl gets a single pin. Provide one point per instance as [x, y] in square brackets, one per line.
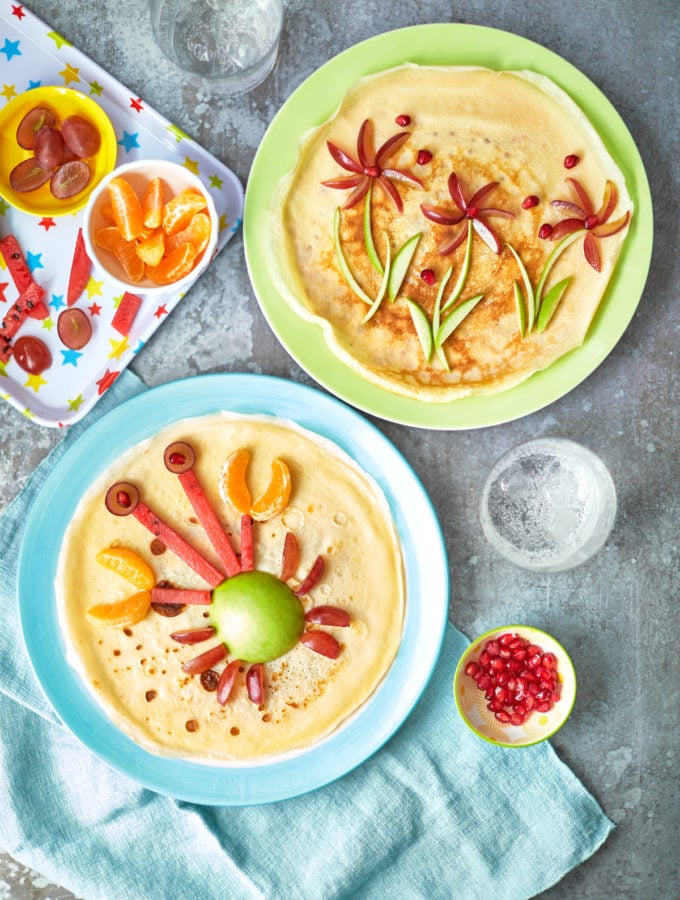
[174, 178]
[538, 726]
[63, 102]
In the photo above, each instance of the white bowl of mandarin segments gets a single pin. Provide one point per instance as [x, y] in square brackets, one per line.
[151, 227]
[515, 686]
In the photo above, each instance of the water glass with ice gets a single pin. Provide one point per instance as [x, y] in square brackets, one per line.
[548, 505]
[230, 45]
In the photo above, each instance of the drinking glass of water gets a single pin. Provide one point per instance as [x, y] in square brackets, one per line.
[548, 505]
[231, 45]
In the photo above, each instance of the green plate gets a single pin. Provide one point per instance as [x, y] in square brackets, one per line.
[318, 98]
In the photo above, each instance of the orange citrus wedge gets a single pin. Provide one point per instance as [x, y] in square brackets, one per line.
[126, 208]
[123, 612]
[275, 498]
[197, 232]
[181, 209]
[129, 565]
[175, 265]
[233, 487]
[152, 248]
[152, 204]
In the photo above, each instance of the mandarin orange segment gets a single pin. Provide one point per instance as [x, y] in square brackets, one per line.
[174, 265]
[197, 231]
[107, 213]
[107, 237]
[126, 208]
[275, 498]
[122, 612]
[180, 210]
[152, 204]
[232, 484]
[129, 565]
[133, 265]
[151, 249]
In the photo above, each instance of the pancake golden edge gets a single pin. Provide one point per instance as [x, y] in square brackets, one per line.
[135, 673]
[513, 128]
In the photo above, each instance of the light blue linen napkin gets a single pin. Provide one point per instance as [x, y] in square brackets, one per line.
[436, 813]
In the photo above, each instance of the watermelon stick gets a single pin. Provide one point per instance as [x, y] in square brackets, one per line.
[209, 521]
[21, 274]
[177, 544]
[247, 558]
[181, 596]
[80, 270]
[179, 458]
[16, 315]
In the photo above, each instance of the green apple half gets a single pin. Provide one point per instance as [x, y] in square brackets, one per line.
[257, 616]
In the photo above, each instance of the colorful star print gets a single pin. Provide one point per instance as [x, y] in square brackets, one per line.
[34, 261]
[47, 222]
[129, 141]
[17, 10]
[35, 382]
[10, 49]
[69, 74]
[71, 357]
[136, 104]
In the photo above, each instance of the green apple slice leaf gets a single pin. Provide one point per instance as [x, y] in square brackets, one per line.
[400, 264]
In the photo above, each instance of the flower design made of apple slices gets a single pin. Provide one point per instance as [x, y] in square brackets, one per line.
[254, 616]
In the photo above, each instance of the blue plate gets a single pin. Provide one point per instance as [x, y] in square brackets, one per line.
[426, 581]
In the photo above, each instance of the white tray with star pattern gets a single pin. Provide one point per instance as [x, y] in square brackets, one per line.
[33, 55]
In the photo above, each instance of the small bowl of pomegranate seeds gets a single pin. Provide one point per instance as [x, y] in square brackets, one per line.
[515, 686]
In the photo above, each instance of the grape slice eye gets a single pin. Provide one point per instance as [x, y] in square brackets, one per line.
[122, 498]
[179, 457]
[31, 124]
[28, 176]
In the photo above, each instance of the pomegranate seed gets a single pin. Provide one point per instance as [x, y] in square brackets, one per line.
[520, 654]
[424, 157]
[549, 661]
[506, 638]
[502, 716]
[492, 648]
[373, 171]
[521, 709]
[517, 718]
[495, 705]
[571, 160]
[488, 694]
[403, 120]
[543, 707]
[545, 231]
[534, 661]
[472, 669]
[515, 665]
[591, 222]
[532, 649]
[505, 653]
[512, 683]
[483, 682]
[497, 664]
[530, 201]
[530, 702]
[428, 276]
[177, 458]
[503, 678]
[484, 658]
[123, 498]
[516, 643]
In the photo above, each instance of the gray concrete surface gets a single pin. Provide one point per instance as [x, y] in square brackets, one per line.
[618, 613]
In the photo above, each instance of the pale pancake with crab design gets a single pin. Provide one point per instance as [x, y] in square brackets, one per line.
[513, 128]
[335, 509]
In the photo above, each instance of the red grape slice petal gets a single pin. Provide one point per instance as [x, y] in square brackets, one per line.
[205, 661]
[255, 683]
[322, 643]
[226, 683]
[328, 615]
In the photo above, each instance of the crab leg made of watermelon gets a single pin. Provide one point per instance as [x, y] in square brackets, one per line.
[179, 458]
[123, 499]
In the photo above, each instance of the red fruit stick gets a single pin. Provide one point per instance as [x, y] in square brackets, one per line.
[205, 661]
[180, 596]
[209, 521]
[321, 642]
[291, 556]
[255, 683]
[247, 558]
[177, 544]
[126, 312]
[311, 580]
[16, 316]
[226, 682]
[80, 270]
[21, 274]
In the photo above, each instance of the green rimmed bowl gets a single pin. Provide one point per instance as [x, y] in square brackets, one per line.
[538, 725]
